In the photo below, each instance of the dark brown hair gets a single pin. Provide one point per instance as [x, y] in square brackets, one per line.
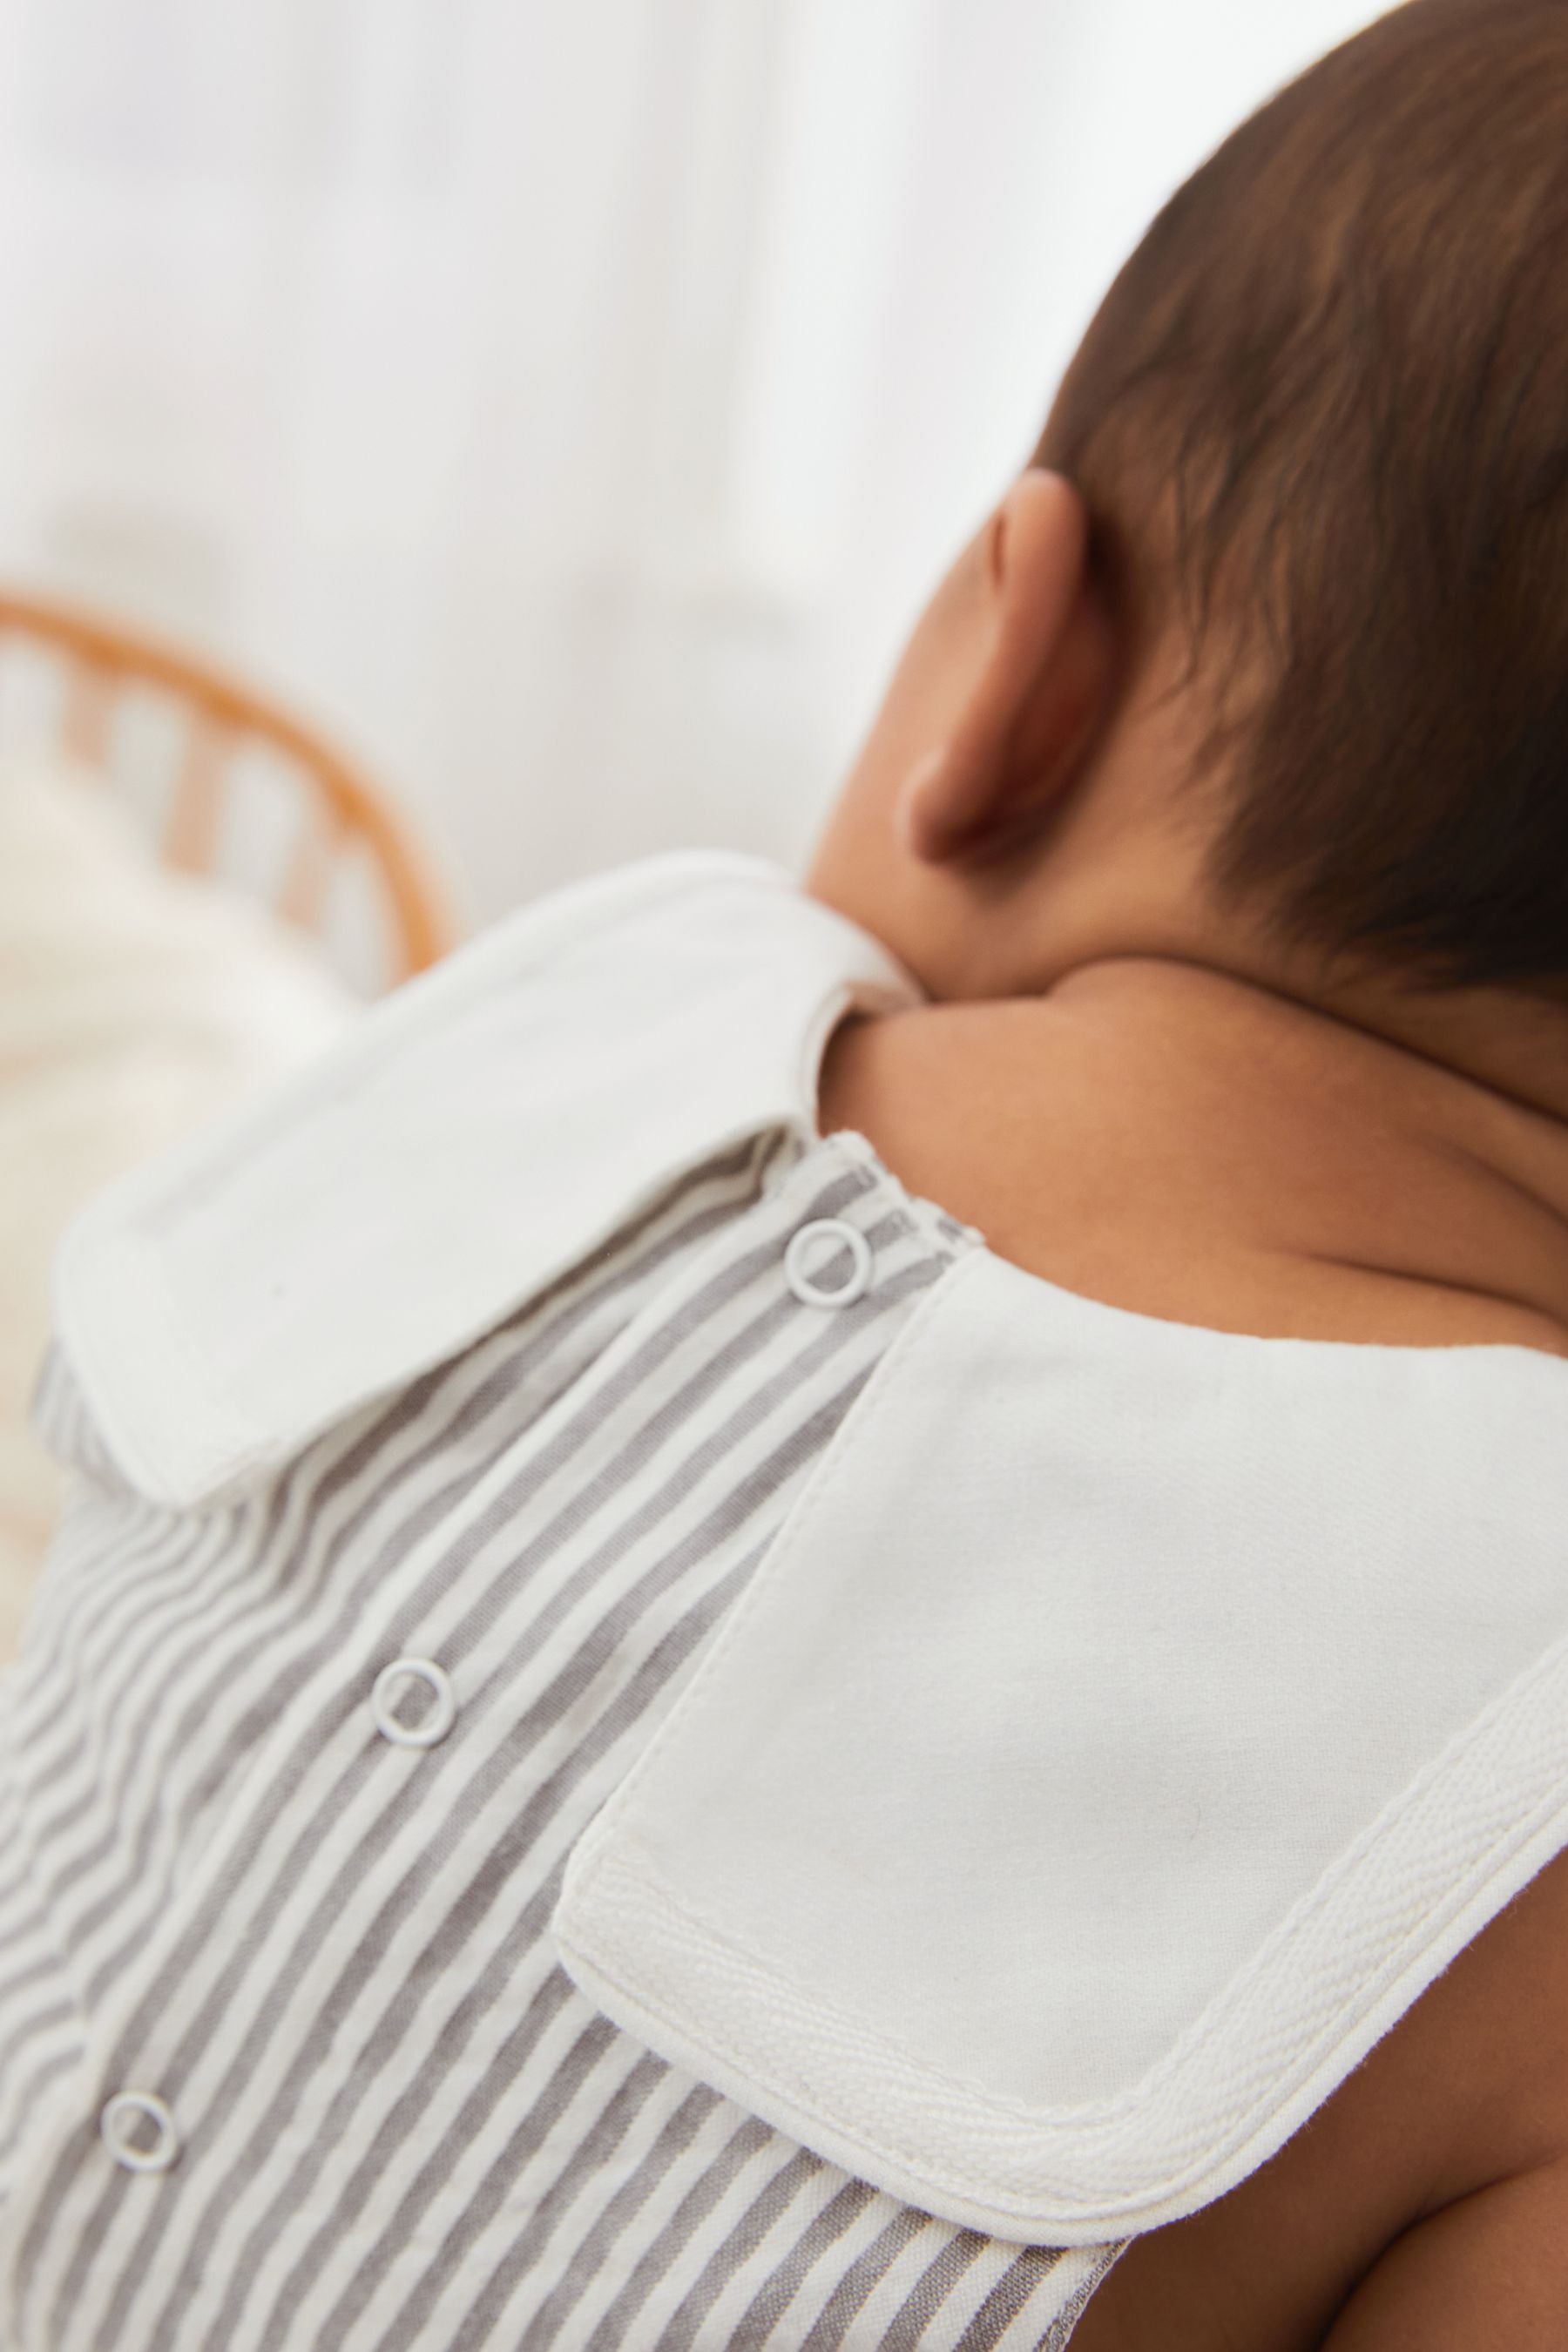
[1322, 416]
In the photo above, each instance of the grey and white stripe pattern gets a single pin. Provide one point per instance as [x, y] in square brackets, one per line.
[404, 2129]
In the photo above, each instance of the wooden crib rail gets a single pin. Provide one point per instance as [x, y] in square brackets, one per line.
[342, 808]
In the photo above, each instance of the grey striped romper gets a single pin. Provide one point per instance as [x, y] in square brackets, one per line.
[400, 2127]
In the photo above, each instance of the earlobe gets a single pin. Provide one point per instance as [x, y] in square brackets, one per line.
[919, 812]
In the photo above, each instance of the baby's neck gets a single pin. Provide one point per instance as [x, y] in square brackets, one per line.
[1183, 1145]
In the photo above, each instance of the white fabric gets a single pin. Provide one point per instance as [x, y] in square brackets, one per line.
[133, 1003]
[1130, 1719]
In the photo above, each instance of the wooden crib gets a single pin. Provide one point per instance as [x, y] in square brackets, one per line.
[332, 823]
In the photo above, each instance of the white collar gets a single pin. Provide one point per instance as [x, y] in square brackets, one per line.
[470, 1141]
[1131, 1721]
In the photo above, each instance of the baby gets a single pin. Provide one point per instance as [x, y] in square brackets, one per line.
[836, 1617]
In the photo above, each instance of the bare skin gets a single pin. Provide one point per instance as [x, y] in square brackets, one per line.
[1188, 1147]
[1135, 1093]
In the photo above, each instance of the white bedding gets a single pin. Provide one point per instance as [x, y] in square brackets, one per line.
[134, 1002]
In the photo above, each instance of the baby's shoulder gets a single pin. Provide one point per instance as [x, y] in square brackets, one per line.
[1438, 2171]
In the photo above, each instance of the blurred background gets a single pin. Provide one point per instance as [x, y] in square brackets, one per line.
[450, 445]
[568, 401]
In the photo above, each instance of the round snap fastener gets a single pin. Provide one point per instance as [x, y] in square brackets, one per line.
[439, 1715]
[139, 2132]
[819, 1243]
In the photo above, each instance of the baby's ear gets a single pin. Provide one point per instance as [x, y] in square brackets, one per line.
[1040, 686]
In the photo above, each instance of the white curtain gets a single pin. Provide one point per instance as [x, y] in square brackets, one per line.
[568, 400]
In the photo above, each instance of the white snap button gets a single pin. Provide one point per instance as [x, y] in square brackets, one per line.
[439, 1714]
[820, 1243]
[139, 2132]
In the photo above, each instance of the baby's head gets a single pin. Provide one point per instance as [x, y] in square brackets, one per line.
[1264, 660]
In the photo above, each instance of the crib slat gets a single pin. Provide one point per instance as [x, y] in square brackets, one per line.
[103, 659]
[90, 699]
[191, 840]
[304, 890]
